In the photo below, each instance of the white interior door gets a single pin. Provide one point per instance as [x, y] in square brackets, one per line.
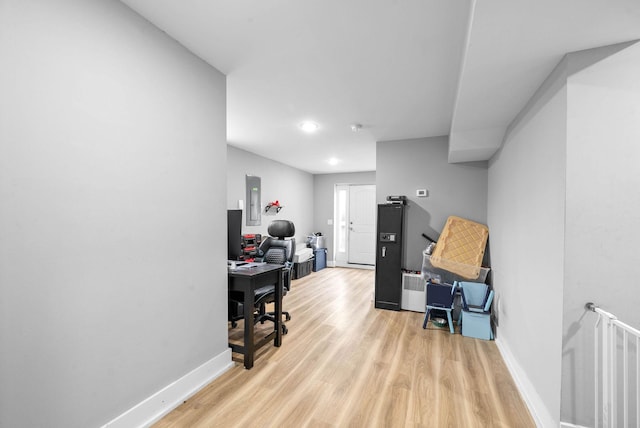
[362, 224]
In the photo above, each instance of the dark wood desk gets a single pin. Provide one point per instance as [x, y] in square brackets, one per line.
[247, 279]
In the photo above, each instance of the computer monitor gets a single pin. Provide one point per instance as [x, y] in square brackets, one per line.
[234, 234]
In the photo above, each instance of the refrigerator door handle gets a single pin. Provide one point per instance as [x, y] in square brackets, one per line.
[384, 251]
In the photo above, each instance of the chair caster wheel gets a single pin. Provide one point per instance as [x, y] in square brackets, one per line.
[287, 317]
[234, 324]
[285, 330]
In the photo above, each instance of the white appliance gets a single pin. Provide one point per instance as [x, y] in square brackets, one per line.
[414, 292]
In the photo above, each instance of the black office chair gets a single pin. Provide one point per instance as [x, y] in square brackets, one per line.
[273, 249]
[276, 249]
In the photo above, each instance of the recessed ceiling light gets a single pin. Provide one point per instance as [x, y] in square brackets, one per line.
[309, 127]
[333, 161]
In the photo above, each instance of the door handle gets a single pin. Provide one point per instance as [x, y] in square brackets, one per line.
[384, 251]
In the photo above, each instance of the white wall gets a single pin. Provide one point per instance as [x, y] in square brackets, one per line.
[112, 168]
[602, 221]
[404, 166]
[292, 187]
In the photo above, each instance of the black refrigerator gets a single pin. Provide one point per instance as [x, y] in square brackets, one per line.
[389, 256]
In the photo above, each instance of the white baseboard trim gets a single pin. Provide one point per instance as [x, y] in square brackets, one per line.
[152, 409]
[568, 425]
[536, 406]
[331, 263]
[354, 266]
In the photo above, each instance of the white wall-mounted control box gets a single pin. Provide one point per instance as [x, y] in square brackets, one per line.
[422, 193]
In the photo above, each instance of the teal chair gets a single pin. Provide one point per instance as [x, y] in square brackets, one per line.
[439, 297]
[475, 316]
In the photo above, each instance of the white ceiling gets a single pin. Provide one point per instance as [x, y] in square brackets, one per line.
[401, 68]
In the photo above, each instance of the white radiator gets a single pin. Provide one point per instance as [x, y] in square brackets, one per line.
[414, 292]
[616, 370]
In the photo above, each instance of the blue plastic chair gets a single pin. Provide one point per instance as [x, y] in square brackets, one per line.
[475, 316]
[439, 297]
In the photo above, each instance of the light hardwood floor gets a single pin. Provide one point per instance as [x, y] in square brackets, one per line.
[346, 364]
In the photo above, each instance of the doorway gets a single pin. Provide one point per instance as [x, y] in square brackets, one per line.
[355, 225]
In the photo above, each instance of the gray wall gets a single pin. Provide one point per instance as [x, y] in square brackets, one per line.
[112, 160]
[323, 191]
[292, 187]
[526, 223]
[554, 192]
[404, 166]
[602, 221]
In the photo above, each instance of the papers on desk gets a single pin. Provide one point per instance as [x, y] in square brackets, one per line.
[239, 265]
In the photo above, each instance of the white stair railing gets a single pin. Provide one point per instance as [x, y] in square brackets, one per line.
[610, 337]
